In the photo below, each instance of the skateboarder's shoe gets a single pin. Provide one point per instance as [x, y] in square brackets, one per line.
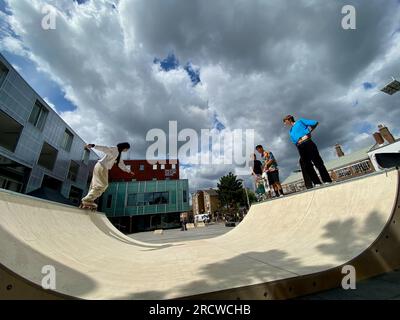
[88, 205]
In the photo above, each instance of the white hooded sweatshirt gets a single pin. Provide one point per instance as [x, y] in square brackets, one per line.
[110, 158]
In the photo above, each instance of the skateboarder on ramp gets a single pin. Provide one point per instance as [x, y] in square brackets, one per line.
[99, 182]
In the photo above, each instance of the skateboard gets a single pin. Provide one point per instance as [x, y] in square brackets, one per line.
[88, 206]
[260, 188]
[388, 160]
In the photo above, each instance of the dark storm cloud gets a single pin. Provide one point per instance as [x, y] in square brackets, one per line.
[259, 35]
[259, 60]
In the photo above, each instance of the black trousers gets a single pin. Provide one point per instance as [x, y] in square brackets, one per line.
[307, 181]
[310, 157]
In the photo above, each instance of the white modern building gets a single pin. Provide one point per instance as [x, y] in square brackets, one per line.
[38, 150]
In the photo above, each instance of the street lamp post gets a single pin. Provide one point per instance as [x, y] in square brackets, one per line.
[247, 195]
[392, 87]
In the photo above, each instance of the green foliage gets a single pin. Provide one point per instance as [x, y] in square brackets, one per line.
[230, 191]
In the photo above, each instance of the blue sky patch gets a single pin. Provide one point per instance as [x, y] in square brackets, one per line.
[217, 124]
[3, 7]
[369, 85]
[171, 62]
[40, 82]
[194, 73]
[364, 127]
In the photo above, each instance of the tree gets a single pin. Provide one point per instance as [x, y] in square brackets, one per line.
[230, 191]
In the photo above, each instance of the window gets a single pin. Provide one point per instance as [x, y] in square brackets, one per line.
[147, 199]
[67, 139]
[174, 166]
[132, 200]
[161, 197]
[155, 167]
[39, 115]
[343, 172]
[75, 195]
[109, 201]
[163, 167]
[73, 171]
[184, 196]
[361, 167]
[48, 157]
[170, 173]
[86, 156]
[3, 73]
[140, 199]
[141, 167]
[11, 185]
[52, 183]
[10, 131]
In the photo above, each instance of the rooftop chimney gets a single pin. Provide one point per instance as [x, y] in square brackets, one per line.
[378, 138]
[339, 150]
[384, 131]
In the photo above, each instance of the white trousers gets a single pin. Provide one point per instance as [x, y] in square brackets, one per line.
[99, 183]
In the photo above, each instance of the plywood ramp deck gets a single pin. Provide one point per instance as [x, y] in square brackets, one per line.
[283, 248]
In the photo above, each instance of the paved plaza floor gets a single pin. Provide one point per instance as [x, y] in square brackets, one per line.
[172, 235]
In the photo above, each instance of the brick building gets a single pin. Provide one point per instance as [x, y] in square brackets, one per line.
[153, 199]
[147, 170]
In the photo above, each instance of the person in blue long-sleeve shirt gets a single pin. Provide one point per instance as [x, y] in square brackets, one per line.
[300, 134]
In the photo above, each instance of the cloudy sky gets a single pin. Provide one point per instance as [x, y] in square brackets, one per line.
[116, 69]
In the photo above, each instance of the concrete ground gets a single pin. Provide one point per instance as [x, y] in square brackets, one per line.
[172, 235]
[384, 287]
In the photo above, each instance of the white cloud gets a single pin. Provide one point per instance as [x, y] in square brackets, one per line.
[258, 62]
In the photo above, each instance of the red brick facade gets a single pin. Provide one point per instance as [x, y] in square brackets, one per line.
[144, 171]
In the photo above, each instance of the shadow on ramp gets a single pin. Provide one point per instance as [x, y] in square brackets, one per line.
[283, 249]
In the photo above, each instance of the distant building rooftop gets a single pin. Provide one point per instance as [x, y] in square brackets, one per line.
[379, 146]
[337, 163]
[211, 192]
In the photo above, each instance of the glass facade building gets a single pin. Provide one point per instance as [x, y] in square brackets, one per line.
[147, 204]
[37, 148]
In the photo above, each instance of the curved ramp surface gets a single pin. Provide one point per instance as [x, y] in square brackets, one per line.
[283, 248]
